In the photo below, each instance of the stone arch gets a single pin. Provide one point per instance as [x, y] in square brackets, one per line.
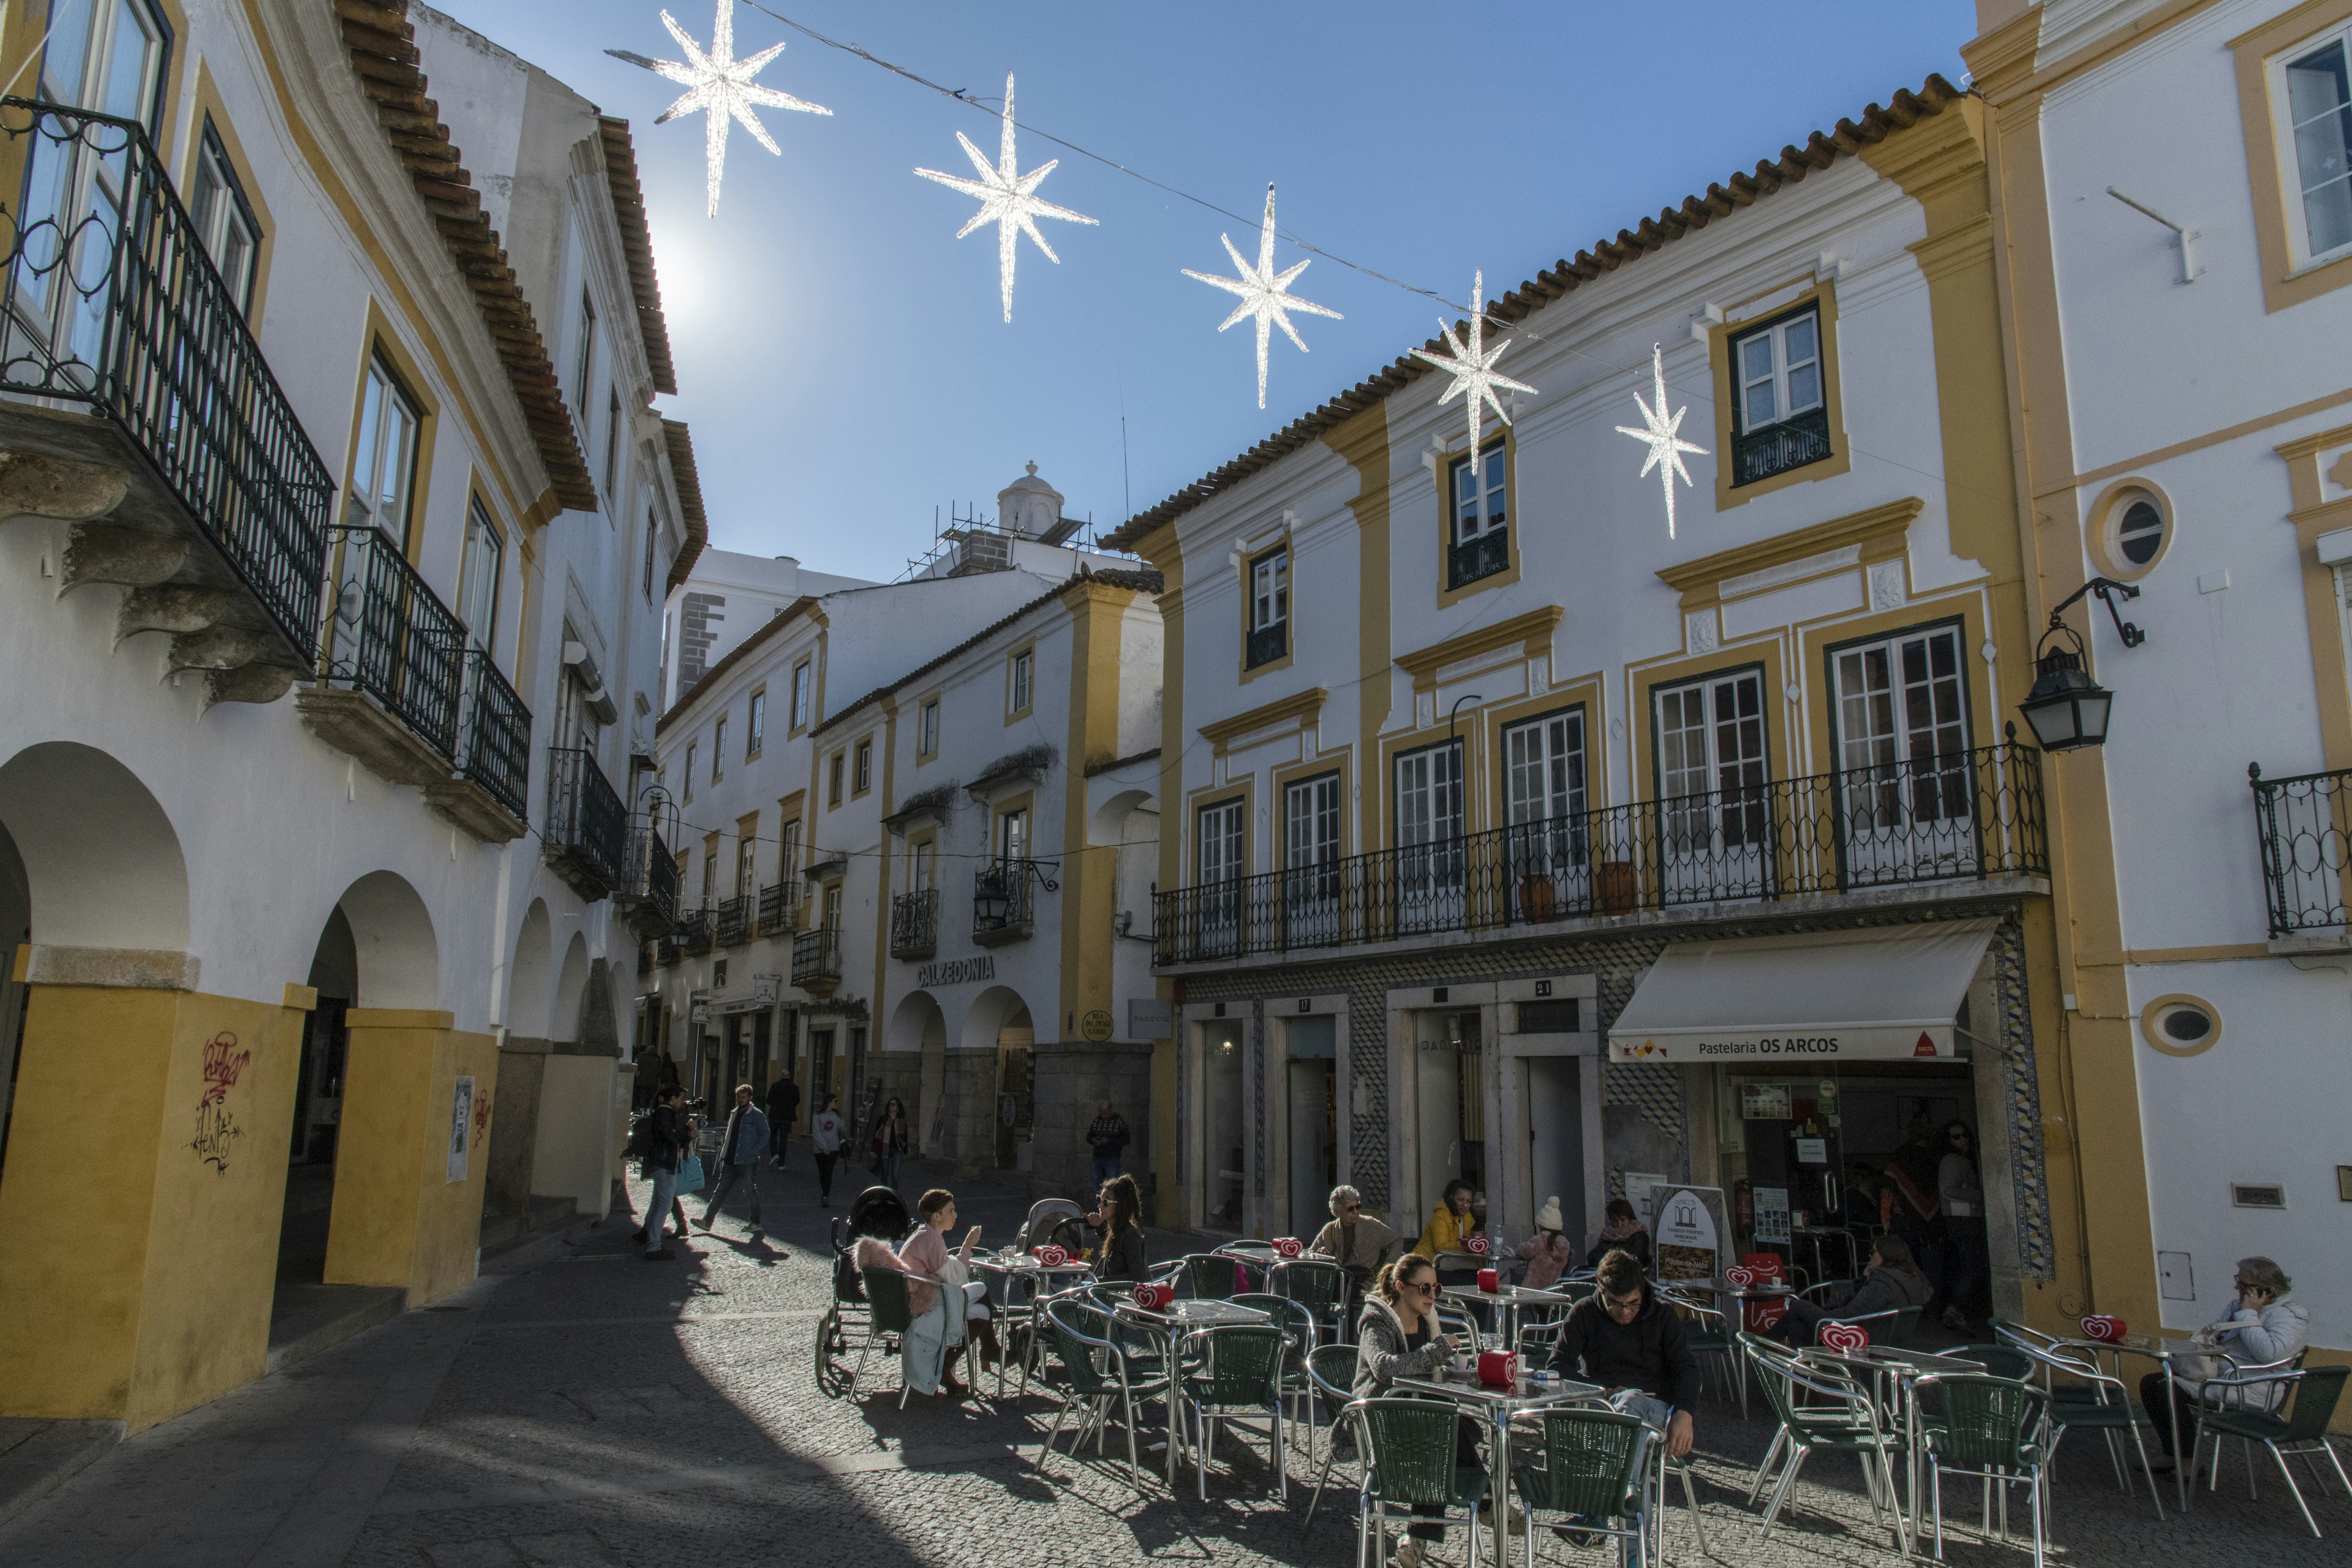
[398, 955]
[990, 1012]
[571, 992]
[102, 863]
[1130, 820]
[530, 978]
[916, 1024]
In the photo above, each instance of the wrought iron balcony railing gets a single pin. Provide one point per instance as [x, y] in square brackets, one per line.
[1776, 448]
[1968, 814]
[111, 301]
[694, 932]
[665, 950]
[779, 907]
[732, 921]
[1001, 906]
[587, 830]
[496, 738]
[391, 636]
[816, 956]
[651, 883]
[2305, 823]
[915, 924]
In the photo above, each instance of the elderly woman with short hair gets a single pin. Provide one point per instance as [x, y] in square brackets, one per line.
[2263, 1327]
[1354, 1240]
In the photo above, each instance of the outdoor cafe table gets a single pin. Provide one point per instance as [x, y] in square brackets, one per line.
[2165, 1353]
[1496, 1406]
[1891, 1370]
[1508, 1301]
[1172, 1325]
[999, 1270]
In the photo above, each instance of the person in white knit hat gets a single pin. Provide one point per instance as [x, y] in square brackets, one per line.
[1546, 1251]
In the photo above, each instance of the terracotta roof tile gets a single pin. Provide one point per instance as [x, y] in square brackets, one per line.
[637, 246]
[680, 442]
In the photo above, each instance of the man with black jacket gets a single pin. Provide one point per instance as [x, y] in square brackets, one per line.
[665, 1140]
[783, 1104]
[1624, 1337]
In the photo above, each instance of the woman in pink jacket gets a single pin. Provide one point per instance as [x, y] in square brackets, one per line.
[1546, 1251]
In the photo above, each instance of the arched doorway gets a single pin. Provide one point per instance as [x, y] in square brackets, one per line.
[522, 1065]
[914, 1067]
[999, 1022]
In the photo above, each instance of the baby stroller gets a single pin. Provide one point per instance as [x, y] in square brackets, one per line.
[1054, 1222]
[847, 1327]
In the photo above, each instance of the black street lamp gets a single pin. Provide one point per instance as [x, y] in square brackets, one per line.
[2066, 709]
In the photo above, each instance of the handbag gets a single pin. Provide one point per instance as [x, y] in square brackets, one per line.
[690, 1175]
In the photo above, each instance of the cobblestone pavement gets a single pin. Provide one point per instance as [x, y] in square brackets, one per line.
[590, 1408]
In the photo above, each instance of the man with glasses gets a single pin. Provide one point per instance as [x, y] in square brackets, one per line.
[1354, 1240]
[1624, 1337]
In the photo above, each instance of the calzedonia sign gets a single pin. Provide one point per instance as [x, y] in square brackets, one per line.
[1863, 1042]
[957, 971]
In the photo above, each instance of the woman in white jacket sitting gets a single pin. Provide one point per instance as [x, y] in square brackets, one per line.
[2264, 1327]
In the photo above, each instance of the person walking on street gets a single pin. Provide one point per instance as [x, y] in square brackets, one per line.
[739, 1153]
[1108, 1138]
[660, 1143]
[783, 1104]
[889, 1142]
[827, 1129]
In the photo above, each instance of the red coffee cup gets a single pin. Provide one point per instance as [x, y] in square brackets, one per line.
[1498, 1369]
[1490, 1279]
[2104, 1330]
[1154, 1298]
[1288, 1246]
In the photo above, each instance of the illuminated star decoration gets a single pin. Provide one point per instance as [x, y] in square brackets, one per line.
[1007, 198]
[719, 85]
[1471, 366]
[1264, 294]
[1658, 433]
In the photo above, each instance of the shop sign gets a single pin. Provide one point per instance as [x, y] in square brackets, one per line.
[1864, 1042]
[1688, 1232]
[1095, 1026]
[957, 971]
[1772, 1215]
[1825, 1097]
[1763, 1103]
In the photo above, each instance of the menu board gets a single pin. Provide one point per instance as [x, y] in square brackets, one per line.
[1690, 1231]
[1772, 1215]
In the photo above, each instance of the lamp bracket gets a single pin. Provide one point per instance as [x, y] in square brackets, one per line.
[1027, 868]
[2108, 590]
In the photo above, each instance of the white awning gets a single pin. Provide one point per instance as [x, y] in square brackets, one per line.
[1886, 993]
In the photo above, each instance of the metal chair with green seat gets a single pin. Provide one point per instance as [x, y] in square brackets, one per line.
[1998, 1361]
[1210, 1276]
[1842, 1419]
[1594, 1469]
[1894, 1326]
[2308, 1397]
[1321, 1287]
[1410, 1445]
[1096, 1370]
[1994, 1429]
[1331, 1369]
[889, 1313]
[1231, 1371]
[2090, 1401]
[1708, 1335]
[1297, 1325]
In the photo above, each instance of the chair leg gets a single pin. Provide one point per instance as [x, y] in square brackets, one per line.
[2328, 1448]
[1770, 1453]
[1058, 1416]
[2290, 1484]
[1788, 1485]
[1690, 1496]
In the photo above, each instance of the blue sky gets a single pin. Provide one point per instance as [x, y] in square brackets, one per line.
[842, 356]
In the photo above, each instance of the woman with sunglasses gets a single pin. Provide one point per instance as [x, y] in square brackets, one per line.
[1354, 1240]
[1398, 1337]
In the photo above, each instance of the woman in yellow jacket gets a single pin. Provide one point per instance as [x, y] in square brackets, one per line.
[1449, 1223]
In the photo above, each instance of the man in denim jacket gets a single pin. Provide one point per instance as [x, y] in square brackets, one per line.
[738, 1155]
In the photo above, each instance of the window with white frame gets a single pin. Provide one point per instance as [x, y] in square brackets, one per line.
[1310, 858]
[746, 864]
[1012, 835]
[652, 537]
[2316, 106]
[800, 695]
[719, 751]
[612, 443]
[1024, 680]
[587, 354]
[1479, 537]
[1544, 810]
[862, 776]
[1216, 903]
[478, 577]
[690, 746]
[834, 771]
[755, 729]
[224, 219]
[1429, 823]
[383, 465]
[788, 855]
[1269, 612]
[1219, 849]
[927, 728]
[1781, 406]
[1909, 786]
[1712, 772]
[709, 872]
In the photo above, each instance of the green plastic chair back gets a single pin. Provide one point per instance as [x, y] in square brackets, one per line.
[1905, 1326]
[1084, 1367]
[1998, 1361]
[1332, 1370]
[1238, 1365]
[1209, 1278]
[1590, 1459]
[2315, 1394]
[1320, 1287]
[1412, 1444]
[885, 1296]
[1986, 1423]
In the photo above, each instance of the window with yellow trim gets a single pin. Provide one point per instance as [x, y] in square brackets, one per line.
[833, 771]
[862, 776]
[1479, 540]
[927, 728]
[1781, 416]
[2313, 101]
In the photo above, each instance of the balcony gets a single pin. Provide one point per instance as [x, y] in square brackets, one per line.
[1969, 815]
[647, 898]
[915, 924]
[1468, 561]
[731, 922]
[816, 959]
[694, 932]
[2305, 825]
[1002, 902]
[136, 407]
[586, 837]
[489, 797]
[1776, 448]
[665, 950]
[780, 907]
[1266, 644]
